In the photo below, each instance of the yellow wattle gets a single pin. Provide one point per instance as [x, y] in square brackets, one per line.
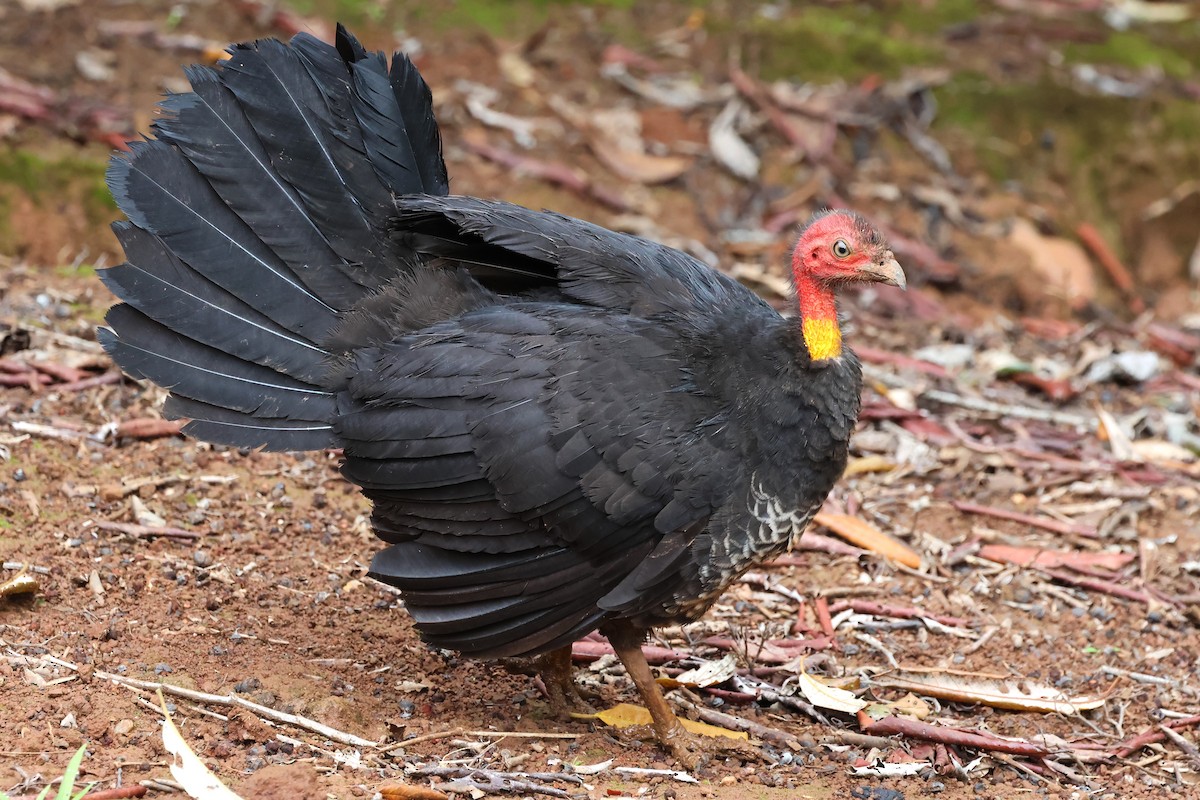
[822, 337]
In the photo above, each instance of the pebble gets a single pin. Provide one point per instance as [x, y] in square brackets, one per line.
[162, 669]
[203, 558]
[123, 728]
[247, 685]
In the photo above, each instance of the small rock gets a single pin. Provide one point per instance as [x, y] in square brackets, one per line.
[123, 728]
[203, 558]
[162, 669]
[247, 685]
[68, 722]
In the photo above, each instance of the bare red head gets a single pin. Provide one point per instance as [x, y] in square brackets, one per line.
[834, 248]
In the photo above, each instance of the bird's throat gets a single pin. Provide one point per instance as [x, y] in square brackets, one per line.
[818, 319]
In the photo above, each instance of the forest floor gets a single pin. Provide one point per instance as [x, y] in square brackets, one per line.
[1028, 443]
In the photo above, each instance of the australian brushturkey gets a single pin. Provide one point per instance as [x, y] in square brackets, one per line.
[561, 428]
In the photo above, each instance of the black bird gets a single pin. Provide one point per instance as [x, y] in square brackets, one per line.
[561, 428]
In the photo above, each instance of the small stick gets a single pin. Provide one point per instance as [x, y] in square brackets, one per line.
[1120, 275]
[1183, 744]
[1052, 525]
[148, 428]
[955, 736]
[1096, 585]
[296, 720]
[824, 618]
[1153, 735]
[112, 376]
[61, 371]
[730, 722]
[552, 172]
[1021, 412]
[750, 89]
[24, 379]
[134, 529]
[899, 612]
[118, 793]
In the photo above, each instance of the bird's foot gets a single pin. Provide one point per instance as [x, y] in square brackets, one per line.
[558, 680]
[692, 751]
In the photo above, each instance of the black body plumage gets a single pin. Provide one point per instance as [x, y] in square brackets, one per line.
[558, 425]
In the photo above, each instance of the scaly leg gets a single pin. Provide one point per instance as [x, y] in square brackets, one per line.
[627, 642]
[558, 675]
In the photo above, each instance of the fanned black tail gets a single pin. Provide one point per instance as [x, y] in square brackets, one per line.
[257, 218]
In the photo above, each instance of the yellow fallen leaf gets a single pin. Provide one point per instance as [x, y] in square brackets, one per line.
[868, 537]
[626, 715]
[824, 696]
[858, 466]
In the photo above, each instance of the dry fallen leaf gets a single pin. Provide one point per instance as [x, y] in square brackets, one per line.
[1063, 263]
[638, 166]
[858, 466]
[868, 537]
[709, 673]
[403, 791]
[21, 583]
[625, 715]
[186, 767]
[996, 691]
[830, 697]
[1109, 430]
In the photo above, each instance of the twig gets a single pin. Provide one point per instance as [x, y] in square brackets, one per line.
[730, 722]
[899, 612]
[118, 793]
[1052, 525]
[552, 172]
[296, 720]
[953, 736]
[60, 371]
[113, 376]
[1153, 735]
[1183, 744]
[1120, 275]
[1096, 585]
[134, 529]
[486, 780]
[148, 428]
[454, 732]
[1021, 412]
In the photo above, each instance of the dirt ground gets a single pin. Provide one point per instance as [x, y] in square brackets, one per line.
[1046, 395]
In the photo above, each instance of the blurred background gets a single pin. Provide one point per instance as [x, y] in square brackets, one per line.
[1032, 157]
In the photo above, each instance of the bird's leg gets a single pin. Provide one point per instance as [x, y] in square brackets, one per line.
[557, 674]
[626, 640]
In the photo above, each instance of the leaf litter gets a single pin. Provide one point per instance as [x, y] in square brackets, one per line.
[995, 612]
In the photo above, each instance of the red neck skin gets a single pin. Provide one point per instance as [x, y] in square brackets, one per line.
[818, 314]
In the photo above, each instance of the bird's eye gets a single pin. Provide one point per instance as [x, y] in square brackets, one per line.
[841, 249]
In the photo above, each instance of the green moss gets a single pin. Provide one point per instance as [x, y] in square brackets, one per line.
[1137, 50]
[501, 17]
[848, 42]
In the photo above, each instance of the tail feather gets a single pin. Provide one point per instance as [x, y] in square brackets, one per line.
[237, 429]
[162, 193]
[258, 219]
[414, 100]
[298, 105]
[200, 372]
[158, 284]
[210, 128]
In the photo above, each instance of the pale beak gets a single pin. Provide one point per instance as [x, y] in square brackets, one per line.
[887, 270]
